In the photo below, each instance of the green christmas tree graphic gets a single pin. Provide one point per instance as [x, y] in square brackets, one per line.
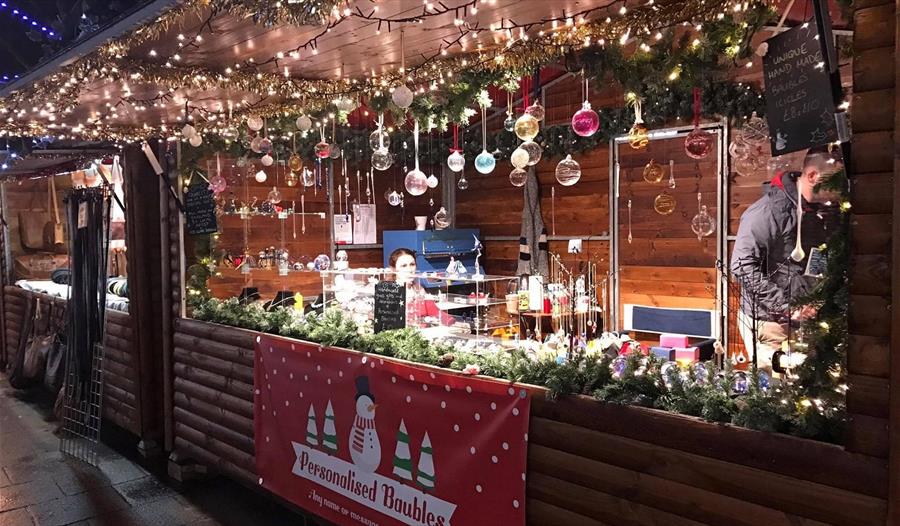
[425, 469]
[329, 434]
[312, 431]
[402, 458]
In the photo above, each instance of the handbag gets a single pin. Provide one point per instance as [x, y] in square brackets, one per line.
[34, 365]
[17, 378]
[54, 236]
[55, 370]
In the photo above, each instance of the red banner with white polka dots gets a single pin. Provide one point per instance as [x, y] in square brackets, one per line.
[362, 439]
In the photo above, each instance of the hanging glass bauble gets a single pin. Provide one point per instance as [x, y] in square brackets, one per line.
[255, 144]
[266, 160]
[519, 158]
[638, 136]
[432, 181]
[382, 159]
[776, 165]
[265, 145]
[402, 96]
[241, 161]
[217, 184]
[618, 366]
[308, 177]
[747, 166]
[291, 178]
[304, 123]
[379, 139]
[653, 172]
[536, 111]
[755, 131]
[664, 204]
[344, 104]
[335, 152]
[456, 161]
[196, 140]
[510, 123]
[393, 198]
[274, 196]
[703, 224]
[254, 122]
[568, 171]
[739, 149]
[585, 122]
[701, 373]
[669, 372]
[763, 381]
[188, 131]
[740, 383]
[415, 182]
[260, 176]
[485, 162]
[534, 152]
[441, 219]
[463, 183]
[323, 150]
[295, 163]
[698, 143]
[322, 262]
[517, 177]
[497, 154]
[527, 127]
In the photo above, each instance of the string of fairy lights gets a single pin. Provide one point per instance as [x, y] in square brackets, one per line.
[267, 87]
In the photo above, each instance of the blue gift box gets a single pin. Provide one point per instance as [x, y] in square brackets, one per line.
[666, 353]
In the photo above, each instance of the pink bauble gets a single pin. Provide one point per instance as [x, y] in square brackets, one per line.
[323, 150]
[217, 184]
[585, 122]
[698, 144]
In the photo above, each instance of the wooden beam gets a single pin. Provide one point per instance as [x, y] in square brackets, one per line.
[894, 401]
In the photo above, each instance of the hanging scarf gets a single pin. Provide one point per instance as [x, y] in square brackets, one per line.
[533, 246]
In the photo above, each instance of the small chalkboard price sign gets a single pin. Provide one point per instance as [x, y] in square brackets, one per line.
[799, 103]
[200, 210]
[390, 306]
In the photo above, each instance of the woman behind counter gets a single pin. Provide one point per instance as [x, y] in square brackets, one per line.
[420, 305]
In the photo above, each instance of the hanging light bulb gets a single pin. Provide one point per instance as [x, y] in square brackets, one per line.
[534, 152]
[415, 182]
[519, 158]
[568, 171]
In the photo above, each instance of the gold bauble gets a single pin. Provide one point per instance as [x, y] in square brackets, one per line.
[527, 127]
[291, 178]
[295, 163]
[653, 172]
[638, 136]
[664, 204]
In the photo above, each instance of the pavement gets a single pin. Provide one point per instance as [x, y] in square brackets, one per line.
[40, 486]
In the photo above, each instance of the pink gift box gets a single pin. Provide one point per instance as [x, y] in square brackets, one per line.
[673, 340]
[687, 354]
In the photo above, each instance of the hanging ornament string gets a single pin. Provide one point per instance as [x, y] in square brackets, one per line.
[483, 130]
[455, 139]
[381, 131]
[697, 107]
[416, 140]
[526, 88]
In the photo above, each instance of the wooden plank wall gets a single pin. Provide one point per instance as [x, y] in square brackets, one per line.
[871, 171]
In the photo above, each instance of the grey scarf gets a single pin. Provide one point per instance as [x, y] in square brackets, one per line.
[533, 258]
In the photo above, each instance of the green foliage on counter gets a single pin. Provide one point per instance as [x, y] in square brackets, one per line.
[643, 380]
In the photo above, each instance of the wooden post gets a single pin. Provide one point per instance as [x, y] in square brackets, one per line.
[167, 314]
[894, 402]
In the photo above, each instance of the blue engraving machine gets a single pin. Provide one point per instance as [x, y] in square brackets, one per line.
[434, 248]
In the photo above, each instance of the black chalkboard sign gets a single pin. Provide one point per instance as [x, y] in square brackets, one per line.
[799, 103]
[200, 210]
[390, 306]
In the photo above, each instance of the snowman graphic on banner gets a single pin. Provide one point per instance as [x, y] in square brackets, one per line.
[365, 448]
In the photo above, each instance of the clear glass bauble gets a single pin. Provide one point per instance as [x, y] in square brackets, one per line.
[703, 224]
[393, 198]
[274, 195]
[265, 145]
[638, 136]
[701, 373]
[195, 140]
[485, 162]
[304, 123]
[536, 111]
[432, 181]
[740, 383]
[291, 178]
[463, 183]
[739, 149]
[698, 143]
[241, 161]
[585, 122]
[295, 163]
[653, 172]
[323, 150]
[518, 176]
[763, 381]
[416, 183]
[344, 104]
[527, 127]
[382, 159]
[664, 204]
[441, 219]
[568, 171]
[254, 122]
[755, 131]
[379, 139]
[618, 366]
[776, 165]
[217, 184]
[307, 177]
[669, 371]
[341, 255]
[402, 96]
[256, 144]
[322, 262]
[456, 161]
[534, 152]
[519, 158]
[266, 160]
[188, 131]
[335, 152]
[509, 124]
[260, 176]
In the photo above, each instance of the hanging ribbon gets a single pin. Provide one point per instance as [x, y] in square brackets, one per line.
[697, 106]
[455, 139]
[526, 88]
[483, 130]
[416, 141]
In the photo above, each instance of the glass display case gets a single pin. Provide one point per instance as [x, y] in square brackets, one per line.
[353, 291]
[461, 304]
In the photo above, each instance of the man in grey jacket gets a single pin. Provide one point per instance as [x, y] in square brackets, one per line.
[773, 275]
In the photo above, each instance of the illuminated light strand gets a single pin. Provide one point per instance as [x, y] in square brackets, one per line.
[27, 20]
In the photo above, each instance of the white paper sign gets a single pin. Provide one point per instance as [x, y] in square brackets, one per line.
[364, 224]
[343, 229]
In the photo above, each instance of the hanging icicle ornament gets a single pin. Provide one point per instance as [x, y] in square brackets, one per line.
[585, 122]
[402, 96]
[698, 142]
[517, 177]
[254, 122]
[217, 183]
[322, 149]
[534, 152]
[568, 171]
[484, 162]
[519, 158]
[304, 123]
[527, 126]
[415, 182]
[456, 161]
[638, 136]
[702, 224]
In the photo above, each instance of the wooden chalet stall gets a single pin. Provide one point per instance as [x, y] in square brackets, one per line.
[588, 462]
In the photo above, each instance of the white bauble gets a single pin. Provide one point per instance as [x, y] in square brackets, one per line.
[402, 96]
[266, 160]
[304, 123]
[519, 158]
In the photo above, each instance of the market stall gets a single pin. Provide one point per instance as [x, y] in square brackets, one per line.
[524, 241]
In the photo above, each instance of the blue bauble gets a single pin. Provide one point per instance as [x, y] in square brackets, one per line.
[763, 381]
[485, 162]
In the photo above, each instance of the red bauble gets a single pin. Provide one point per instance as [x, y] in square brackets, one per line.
[698, 143]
